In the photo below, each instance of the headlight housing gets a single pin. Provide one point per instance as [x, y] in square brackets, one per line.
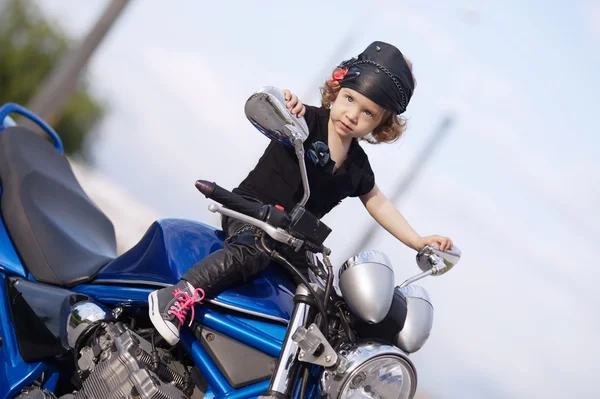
[419, 319]
[367, 285]
[370, 370]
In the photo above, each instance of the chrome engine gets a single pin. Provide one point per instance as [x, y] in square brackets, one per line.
[119, 364]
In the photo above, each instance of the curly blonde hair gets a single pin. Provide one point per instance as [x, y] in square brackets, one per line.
[391, 127]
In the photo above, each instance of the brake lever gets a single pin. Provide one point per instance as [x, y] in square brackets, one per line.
[276, 233]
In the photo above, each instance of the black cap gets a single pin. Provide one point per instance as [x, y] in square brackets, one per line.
[382, 74]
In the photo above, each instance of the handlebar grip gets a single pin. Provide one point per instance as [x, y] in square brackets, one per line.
[230, 200]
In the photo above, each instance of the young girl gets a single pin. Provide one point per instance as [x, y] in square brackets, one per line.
[361, 101]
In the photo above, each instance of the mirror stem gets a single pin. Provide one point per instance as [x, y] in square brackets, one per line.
[416, 278]
[299, 147]
[437, 267]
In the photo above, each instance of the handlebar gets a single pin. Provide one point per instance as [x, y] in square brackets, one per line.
[230, 200]
[271, 219]
[277, 234]
[273, 215]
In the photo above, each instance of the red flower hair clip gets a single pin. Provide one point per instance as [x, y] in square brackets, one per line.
[338, 75]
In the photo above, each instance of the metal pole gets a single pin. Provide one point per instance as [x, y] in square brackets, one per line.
[406, 181]
[56, 89]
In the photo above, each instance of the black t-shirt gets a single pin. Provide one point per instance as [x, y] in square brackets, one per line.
[276, 178]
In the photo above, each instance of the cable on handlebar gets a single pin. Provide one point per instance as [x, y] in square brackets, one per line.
[304, 384]
[276, 256]
[328, 288]
[345, 322]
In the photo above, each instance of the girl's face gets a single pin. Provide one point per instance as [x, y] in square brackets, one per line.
[353, 115]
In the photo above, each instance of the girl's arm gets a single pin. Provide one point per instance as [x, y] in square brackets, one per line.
[388, 216]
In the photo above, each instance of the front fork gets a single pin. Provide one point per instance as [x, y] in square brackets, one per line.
[284, 377]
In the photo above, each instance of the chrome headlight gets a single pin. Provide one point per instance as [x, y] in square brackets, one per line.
[370, 370]
[367, 285]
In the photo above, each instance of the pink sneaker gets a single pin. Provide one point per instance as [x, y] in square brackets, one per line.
[168, 308]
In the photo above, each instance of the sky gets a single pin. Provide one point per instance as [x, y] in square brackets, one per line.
[515, 183]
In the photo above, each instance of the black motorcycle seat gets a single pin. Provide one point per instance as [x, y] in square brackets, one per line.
[60, 235]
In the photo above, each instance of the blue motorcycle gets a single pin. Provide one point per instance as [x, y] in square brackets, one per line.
[74, 315]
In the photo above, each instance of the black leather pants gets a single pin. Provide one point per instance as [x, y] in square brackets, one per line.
[238, 261]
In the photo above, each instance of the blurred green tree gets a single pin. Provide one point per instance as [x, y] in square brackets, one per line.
[30, 47]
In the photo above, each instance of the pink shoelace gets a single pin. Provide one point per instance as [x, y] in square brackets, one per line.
[185, 302]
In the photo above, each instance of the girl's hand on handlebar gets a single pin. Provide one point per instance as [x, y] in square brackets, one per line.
[443, 243]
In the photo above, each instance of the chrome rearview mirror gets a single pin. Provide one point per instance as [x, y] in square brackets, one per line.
[434, 262]
[266, 110]
[442, 261]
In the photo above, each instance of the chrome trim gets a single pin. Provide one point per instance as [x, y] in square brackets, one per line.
[266, 110]
[276, 233]
[441, 261]
[131, 282]
[419, 319]
[299, 148]
[250, 312]
[282, 380]
[82, 316]
[309, 340]
[356, 355]
[211, 301]
[372, 256]
[367, 282]
[418, 277]
[416, 291]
